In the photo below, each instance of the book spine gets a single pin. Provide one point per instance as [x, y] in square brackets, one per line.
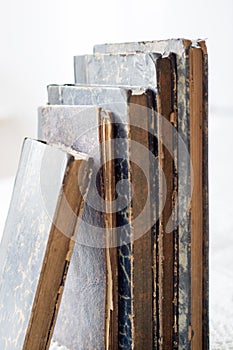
[154, 218]
[167, 249]
[196, 149]
[108, 193]
[205, 333]
[173, 121]
[184, 196]
[124, 249]
[142, 273]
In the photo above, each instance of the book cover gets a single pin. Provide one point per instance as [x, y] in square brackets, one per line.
[38, 241]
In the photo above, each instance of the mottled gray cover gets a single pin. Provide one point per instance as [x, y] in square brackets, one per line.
[109, 98]
[181, 47]
[163, 47]
[25, 237]
[80, 323]
[122, 70]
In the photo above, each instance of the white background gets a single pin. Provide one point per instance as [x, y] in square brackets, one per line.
[38, 42]
[40, 38]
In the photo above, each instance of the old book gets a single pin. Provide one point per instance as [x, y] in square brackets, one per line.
[86, 309]
[158, 73]
[38, 241]
[192, 97]
[132, 113]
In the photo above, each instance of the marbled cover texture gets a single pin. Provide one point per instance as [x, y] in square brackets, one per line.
[25, 237]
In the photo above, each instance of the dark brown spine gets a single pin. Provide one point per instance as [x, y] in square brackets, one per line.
[166, 239]
[205, 333]
[142, 284]
[196, 152]
[173, 121]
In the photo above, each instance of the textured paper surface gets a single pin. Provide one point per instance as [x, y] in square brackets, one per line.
[24, 243]
[121, 70]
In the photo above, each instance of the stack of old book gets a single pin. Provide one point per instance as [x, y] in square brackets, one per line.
[138, 275]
